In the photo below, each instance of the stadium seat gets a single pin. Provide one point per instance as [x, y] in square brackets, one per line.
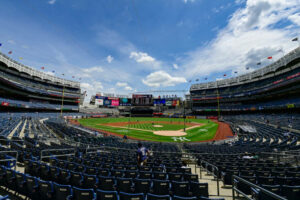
[45, 190]
[107, 195]
[106, 183]
[142, 185]
[90, 181]
[161, 187]
[180, 188]
[32, 187]
[62, 192]
[291, 192]
[83, 194]
[128, 196]
[199, 189]
[158, 197]
[182, 198]
[145, 175]
[124, 185]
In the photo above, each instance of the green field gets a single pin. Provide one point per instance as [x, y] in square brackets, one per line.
[147, 125]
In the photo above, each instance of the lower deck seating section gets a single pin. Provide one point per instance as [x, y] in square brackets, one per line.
[60, 162]
[113, 175]
[280, 178]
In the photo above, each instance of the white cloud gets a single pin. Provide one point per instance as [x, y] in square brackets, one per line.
[249, 37]
[141, 57]
[109, 58]
[11, 42]
[162, 78]
[51, 2]
[175, 66]
[119, 84]
[96, 69]
[186, 1]
[124, 85]
[128, 88]
[295, 18]
[91, 88]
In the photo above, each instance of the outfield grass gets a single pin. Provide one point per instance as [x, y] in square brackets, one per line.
[205, 132]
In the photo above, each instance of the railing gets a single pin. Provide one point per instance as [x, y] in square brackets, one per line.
[236, 190]
[214, 169]
[14, 160]
[57, 155]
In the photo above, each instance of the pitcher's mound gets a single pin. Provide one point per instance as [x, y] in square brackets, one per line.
[169, 133]
[157, 126]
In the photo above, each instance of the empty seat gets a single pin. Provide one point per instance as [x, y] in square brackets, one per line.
[90, 181]
[130, 196]
[180, 188]
[157, 197]
[142, 185]
[182, 198]
[107, 195]
[175, 176]
[124, 184]
[106, 183]
[161, 187]
[199, 189]
[45, 189]
[160, 175]
[145, 175]
[62, 192]
[83, 194]
[291, 192]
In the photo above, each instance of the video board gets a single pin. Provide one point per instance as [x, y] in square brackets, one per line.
[142, 100]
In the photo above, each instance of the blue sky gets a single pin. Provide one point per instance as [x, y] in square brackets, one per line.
[124, 46]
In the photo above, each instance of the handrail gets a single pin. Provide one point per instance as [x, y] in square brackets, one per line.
[235, 189]
[13, 159]
[216, 176]
[50, 150]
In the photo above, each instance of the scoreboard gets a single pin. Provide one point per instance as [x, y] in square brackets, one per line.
[142, 100]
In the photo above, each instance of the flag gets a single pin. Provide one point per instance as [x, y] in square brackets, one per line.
[197, 79]
[295, 39]
[0, 44]
[235, 72]
[42, 67]
[53, 71]
[21, 58]
[10, 52]
[247, 68]
[62, 74]
[259, 63]
[205, 78]
[224, 75]
[270, 57]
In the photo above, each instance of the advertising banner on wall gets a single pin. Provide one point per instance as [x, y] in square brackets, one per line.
[99, 102]
[115, 102]
[107, 102]
[169, 103]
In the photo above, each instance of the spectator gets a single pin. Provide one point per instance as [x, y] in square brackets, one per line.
[142, 154]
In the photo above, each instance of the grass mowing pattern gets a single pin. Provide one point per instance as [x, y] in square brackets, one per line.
[205, 132]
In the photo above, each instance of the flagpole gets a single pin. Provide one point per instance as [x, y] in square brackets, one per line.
[218, 100]
[62, 100]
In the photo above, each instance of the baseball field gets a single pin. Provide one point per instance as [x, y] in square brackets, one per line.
[156, 129]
